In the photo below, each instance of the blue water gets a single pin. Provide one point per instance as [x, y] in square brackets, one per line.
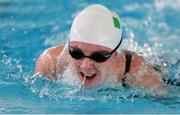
[29, 27]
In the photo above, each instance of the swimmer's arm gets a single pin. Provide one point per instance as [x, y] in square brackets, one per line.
[46, 63]
[144, 75]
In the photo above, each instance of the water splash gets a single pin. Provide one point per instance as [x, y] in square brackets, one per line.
[11, 69]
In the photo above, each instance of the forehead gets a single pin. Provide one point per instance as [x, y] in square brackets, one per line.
[89, 47]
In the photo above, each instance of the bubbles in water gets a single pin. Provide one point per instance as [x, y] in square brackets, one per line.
[13, 29]
[11, 67]
[57, 39]
[161, 4]
[69, 77]
[25, 32]
[15, 110]
[68, 86]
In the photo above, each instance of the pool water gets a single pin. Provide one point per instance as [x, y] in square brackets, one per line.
[29, 27]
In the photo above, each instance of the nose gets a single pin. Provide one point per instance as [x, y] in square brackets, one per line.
[86, 64]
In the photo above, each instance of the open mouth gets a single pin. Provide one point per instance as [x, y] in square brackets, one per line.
[87, 77]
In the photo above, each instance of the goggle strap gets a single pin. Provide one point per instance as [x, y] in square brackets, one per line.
[117, 46]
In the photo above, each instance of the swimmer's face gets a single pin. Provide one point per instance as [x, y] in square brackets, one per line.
[89, 71]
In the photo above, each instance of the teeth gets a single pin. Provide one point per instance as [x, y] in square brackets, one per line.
[88, 75]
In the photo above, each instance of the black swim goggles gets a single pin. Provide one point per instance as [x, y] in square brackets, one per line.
[100, 56]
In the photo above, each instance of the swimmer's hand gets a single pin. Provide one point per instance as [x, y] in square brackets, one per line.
[36, 74]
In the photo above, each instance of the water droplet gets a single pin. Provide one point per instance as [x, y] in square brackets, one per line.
[13, 29]
[25, 32]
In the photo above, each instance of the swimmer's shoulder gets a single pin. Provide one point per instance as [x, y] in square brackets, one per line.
[52, 53]
[142, 73]
[46, 62]
[55, 50]
[136, 60]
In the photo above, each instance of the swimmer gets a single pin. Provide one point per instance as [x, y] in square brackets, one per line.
[94, 51]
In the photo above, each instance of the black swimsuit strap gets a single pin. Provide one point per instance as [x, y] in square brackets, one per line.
[128, 55]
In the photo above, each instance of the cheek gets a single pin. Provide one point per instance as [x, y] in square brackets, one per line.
[105, 68]
[76, 63]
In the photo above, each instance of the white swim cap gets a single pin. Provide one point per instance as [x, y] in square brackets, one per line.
[97, 25]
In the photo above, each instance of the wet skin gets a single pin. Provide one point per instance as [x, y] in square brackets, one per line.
[54, 60]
